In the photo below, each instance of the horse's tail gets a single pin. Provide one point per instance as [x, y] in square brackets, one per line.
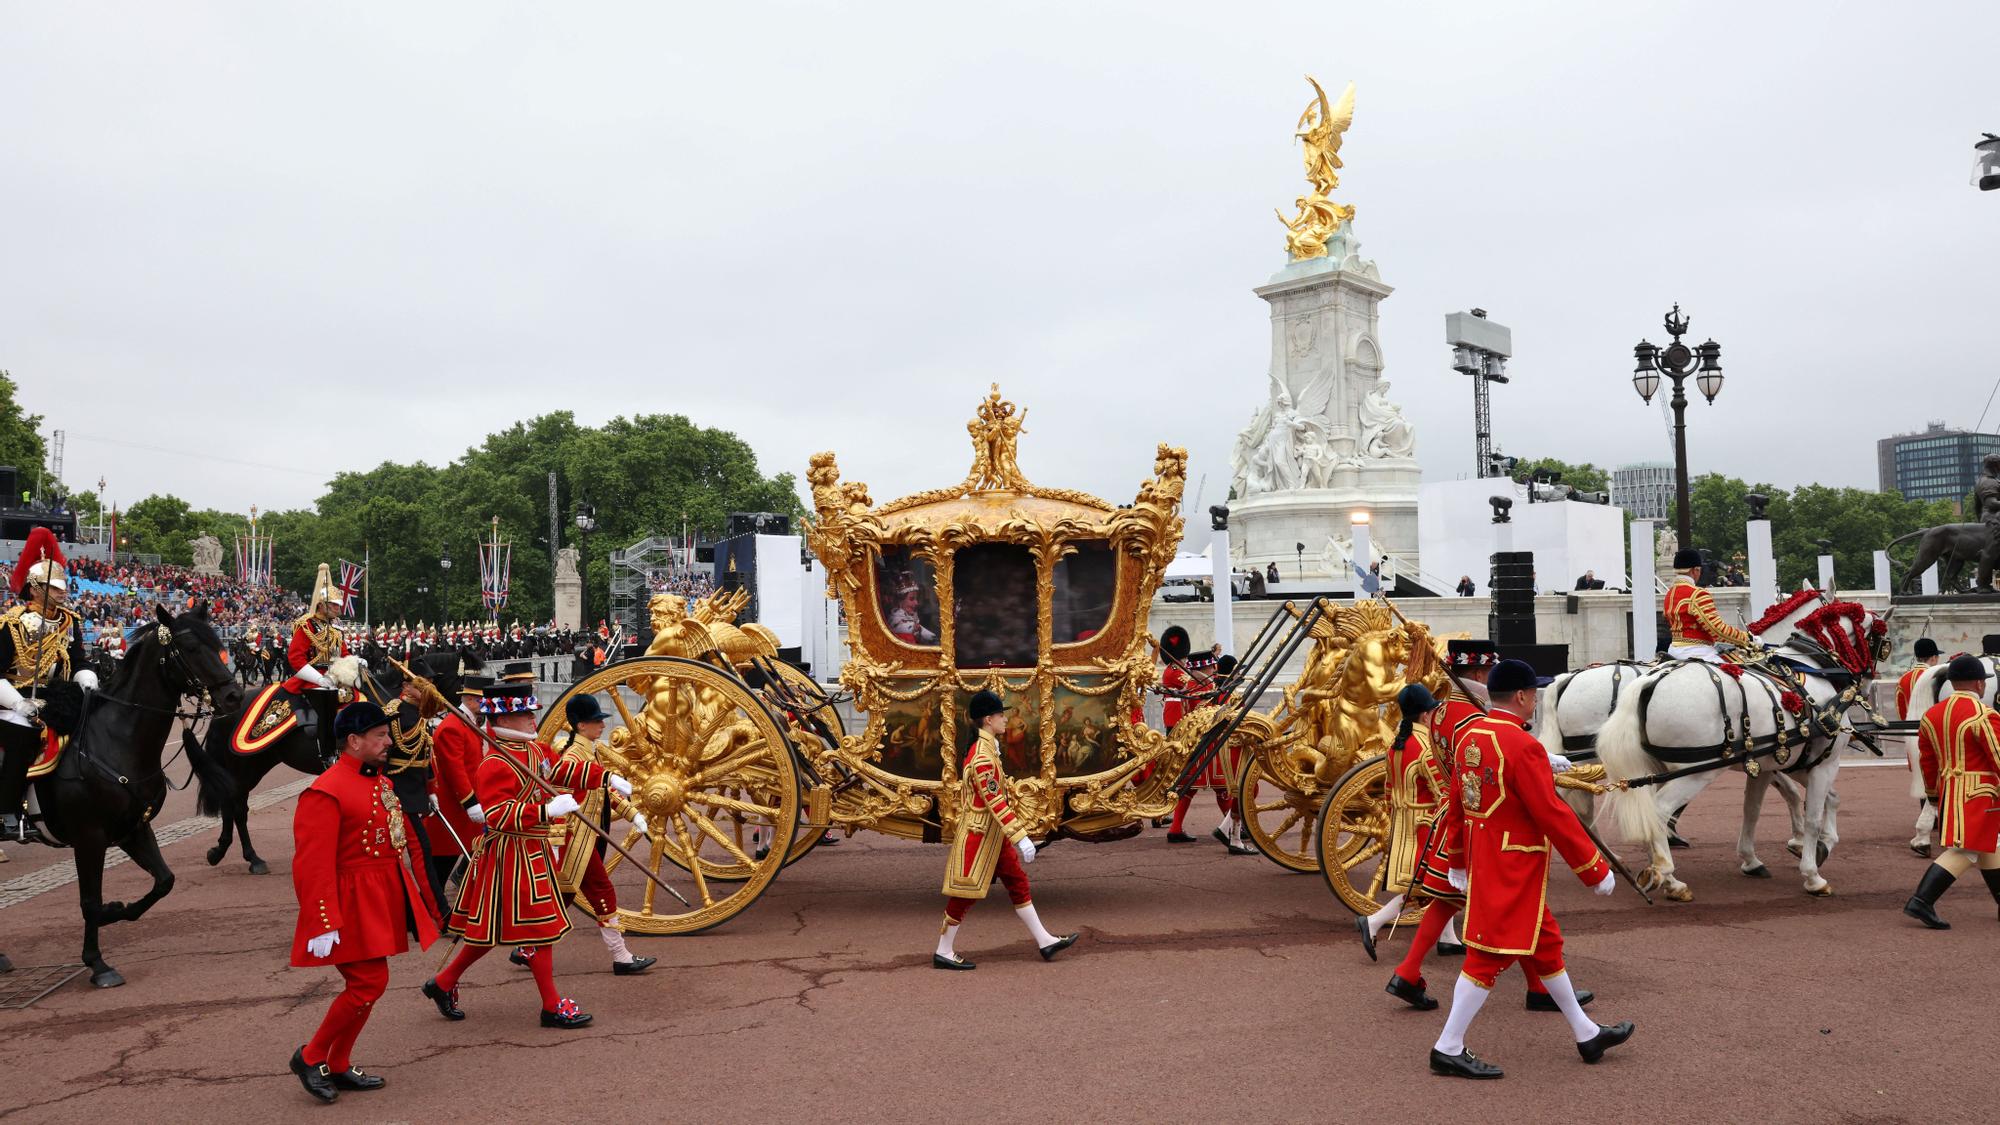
[1621, 747]
[217, 789]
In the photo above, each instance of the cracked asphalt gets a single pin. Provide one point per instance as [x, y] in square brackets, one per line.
[1206, 988]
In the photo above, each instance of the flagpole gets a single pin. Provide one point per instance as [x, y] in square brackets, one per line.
[365, 568]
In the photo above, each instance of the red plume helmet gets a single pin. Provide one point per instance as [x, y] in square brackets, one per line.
[40, 547]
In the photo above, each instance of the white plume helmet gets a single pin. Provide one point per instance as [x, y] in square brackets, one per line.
[324, 590]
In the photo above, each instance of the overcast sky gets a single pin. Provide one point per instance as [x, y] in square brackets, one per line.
[322, 236]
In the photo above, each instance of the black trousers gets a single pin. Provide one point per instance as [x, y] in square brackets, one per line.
[19, 747]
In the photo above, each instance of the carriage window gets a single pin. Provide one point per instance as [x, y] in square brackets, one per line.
[994, 620]
[1086, 583]
[906, 591]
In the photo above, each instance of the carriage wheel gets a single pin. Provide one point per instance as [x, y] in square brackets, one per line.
[1354, 839]
[1284, 823]
[805, 839]
[712, 772]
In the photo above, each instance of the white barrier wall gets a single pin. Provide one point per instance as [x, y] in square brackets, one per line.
[1456, 535]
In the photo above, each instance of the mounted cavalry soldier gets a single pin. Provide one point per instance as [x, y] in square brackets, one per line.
[1959, 744]
[988, 840]
[358, 899]
[316, 643]
[1500, 835]
[1695, 624]
[41, 647]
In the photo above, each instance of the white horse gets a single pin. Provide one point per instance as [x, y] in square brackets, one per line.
[1577, 704]
[1932, 686]
[1703, 716]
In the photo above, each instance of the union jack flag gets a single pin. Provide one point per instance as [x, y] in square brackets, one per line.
[350, 586]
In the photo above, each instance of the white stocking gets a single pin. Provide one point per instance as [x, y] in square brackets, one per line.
[1564, 994]
[615, 942]
[1042, 937]
[1467, 997]
[1450, 932]
[947, 938]
[1389, 913]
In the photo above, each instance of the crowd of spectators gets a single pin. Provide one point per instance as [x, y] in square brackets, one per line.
[112, 598]
[689, 586]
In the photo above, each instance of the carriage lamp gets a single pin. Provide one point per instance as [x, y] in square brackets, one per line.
[1676, 362]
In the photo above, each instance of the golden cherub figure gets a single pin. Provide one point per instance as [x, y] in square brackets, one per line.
[1320, 130]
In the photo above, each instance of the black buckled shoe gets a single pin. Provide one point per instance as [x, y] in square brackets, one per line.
[1367, 938]
[447, 1002]
[1543, 1002]
[1219, 834]
[1415, 995]
[1064, 942]
[1465, 1064]
[1179, 838]
[1451, 948]
[317, 1081]
[521, 957]
[354, 1078]
[1607, 1037]
[633, 967]
[566, 1015]
[956, 964]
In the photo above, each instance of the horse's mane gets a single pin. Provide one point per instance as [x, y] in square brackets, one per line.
[1782, 609]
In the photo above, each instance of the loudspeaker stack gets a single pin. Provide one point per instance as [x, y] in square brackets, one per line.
[1510, 621]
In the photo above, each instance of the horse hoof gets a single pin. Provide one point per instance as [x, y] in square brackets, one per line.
[1682, 893]
[109, 978]
[1797, 851]
[1758, 872]
[214, 856]
[111, 912]
[1822, 851]
[259, 867]
[1824, 890]
[6, 966]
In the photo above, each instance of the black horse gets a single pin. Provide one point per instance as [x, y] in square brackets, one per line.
[236, 776]
[110, 782]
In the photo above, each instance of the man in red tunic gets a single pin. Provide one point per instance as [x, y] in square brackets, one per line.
[316, 643]
[357, 898]
[509, 897]
[1696, 625]
[1958, 743]
[1927, 658]
[455, 752]
[1499, 836]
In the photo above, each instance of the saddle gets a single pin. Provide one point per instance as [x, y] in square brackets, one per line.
[274, 713]
[53, 746]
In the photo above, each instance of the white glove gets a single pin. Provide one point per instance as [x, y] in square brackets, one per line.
[476, 812]
[434, 804]
[314, 676]
[1609, 884]
[623, 786]
[1457, 877]
[86, 679]
[1027, 849]
[639, 824]
[323, 945]
[27, 708]
[561, 807]
[1557, 762]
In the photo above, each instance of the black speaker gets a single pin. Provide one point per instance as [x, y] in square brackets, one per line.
[10, 493]
[1510, 632]
[1498, 558]
[1546, 660]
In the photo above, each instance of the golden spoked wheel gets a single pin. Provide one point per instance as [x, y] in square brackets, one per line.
[805, 839]
[711, 770]
[1354, 838]
[1283, 822]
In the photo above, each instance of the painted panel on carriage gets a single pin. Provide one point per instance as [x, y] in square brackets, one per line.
[1084, 728]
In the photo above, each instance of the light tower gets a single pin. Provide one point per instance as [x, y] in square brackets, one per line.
[1480, 348]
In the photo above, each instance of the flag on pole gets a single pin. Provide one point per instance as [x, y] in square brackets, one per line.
[350, 586]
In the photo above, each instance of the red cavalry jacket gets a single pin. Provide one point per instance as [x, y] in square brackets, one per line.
[1502, 827]
[348, 869]
[510, 896]
[1958, 745]
[1906, 685]
[1693, 618]
[299, 654]
[455, 753]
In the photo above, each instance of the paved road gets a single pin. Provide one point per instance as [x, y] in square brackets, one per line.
[1207, 988]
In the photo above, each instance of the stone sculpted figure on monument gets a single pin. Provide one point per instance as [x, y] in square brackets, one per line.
[1384, 430]
[566, 560]
[1952, 546]
[207, 554]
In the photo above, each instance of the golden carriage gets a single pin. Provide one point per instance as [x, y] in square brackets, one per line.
[741, 762]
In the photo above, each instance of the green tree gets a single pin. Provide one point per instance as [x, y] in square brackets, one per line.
[21, 443]
[1585, 477]
[1857, 523]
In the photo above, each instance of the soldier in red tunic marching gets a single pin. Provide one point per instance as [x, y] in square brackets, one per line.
[357, 897]
[988, 840]
[1959, 745]
[455, 752]
[1498, 838]
[509, 896]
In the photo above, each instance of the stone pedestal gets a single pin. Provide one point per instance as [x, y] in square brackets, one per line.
[1268, 528]
[568, 610]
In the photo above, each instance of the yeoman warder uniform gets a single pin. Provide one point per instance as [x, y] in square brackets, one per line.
[1958, 743]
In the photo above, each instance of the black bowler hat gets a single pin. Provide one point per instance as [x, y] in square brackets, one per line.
[1511, 676]
[474, 684]
[583, 709]
[984, 703]
[1965, 668]
[1926, 648]
[1989, 645]
[358, 717]
[1687, 558]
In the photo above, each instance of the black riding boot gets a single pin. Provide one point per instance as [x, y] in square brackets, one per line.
[1923, 905]
[1992, 883]
[18, 748]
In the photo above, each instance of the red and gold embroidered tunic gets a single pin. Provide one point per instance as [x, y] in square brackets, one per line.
[315, 642]
[455, 753]
[348, 869]
[1958, 743]
[986, 822]
[1503, 826]
[1906, 685]
[1694, 620]
[510, 896]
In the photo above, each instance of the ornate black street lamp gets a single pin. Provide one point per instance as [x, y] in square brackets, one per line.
[1677, 361]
